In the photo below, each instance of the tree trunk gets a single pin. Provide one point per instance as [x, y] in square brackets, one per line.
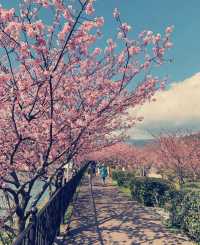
[21, 222]
[9, 206]
[181, 180]
[144, 172]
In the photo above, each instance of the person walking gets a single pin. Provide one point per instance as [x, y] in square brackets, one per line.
[93, 167]
[103, 173]
[91, 171]
[90, 175]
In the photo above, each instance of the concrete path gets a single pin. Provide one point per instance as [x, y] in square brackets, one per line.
[105, 216]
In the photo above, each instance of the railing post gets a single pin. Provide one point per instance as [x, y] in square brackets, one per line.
[62, 207]
[59, 183]
[33, 221]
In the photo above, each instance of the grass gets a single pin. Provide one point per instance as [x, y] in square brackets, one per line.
[4, 239]
[66, 221]
[123, 189]
[191, 185]
[68, 213]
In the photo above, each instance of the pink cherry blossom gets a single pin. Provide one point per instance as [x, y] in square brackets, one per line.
[99, 21]
[116, 13]
[169, 29]
[125, 27]
[134, 50]
[97, 51]
[89, 9]
[168, 45]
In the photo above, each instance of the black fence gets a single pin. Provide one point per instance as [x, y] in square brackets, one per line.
[44, 225]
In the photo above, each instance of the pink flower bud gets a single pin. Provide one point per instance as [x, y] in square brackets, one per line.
[89, 9]
[169, 29]
[168, 45]
[116, 13]
[100, 22]
[125, 27]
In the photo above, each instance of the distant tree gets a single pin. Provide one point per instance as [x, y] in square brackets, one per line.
[145, 159]
[179, 153]
[130, 157]
[119, 155]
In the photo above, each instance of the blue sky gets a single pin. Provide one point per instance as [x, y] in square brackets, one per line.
[179, 106]
[155, 15]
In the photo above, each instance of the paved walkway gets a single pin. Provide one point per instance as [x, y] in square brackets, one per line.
[105, 216]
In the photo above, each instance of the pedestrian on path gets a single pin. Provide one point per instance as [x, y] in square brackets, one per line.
[91, 171]
[103, 173]
[90, 175]
[93, 167]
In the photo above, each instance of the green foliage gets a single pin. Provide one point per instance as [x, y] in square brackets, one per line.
[191, 186]
[176, 208]
[185, 212]
[126, 191]
[5, 238]
[151, 191]
[68, 214]
[123, 178]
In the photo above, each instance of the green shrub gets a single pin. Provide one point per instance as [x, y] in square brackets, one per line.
[185, 212]
[176, 208]
[114, 175]
[123, 178]
[191, 186]
[151, 191]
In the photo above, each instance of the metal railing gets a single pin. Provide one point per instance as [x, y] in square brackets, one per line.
[45, 225]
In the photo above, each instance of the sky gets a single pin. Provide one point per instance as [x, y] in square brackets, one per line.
[155, 15]
[179, 106]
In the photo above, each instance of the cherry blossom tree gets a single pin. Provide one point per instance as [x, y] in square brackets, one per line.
[60, 94]
[131, 157]
[180, 154]
[118, 155]
[145, 159]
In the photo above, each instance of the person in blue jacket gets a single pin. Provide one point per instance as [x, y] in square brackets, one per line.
[103, 173]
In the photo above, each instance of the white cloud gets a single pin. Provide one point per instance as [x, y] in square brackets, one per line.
[178, 107]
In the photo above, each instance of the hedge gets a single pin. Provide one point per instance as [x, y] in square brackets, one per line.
[188, 186]
[151, 191]
[123, 178]
[185, 212]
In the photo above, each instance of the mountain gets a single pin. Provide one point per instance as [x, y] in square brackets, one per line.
[140, 142]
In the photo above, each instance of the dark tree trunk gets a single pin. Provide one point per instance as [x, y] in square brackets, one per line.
[20, 220]
[20, 224]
